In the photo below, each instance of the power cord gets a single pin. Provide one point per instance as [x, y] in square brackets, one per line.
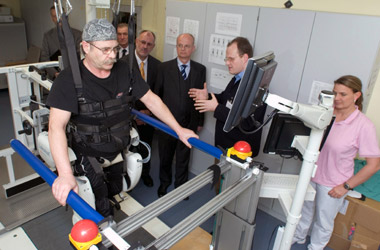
[270, 116]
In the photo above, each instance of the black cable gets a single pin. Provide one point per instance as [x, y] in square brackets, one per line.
[270, 116]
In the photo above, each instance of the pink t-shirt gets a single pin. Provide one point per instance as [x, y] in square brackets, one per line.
[356, 134]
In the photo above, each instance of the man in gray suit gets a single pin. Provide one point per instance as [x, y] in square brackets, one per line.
[175, 78]
[50, 44]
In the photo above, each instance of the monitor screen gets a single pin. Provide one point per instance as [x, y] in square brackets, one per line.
[281, 134]
[252, 88]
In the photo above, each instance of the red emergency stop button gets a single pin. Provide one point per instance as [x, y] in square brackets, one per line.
[241, 150]
[242, 146]
[84, 234]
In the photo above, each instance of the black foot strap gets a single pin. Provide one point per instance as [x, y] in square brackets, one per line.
[216, 170]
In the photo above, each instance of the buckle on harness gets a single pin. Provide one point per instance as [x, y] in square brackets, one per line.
[71, 128]
[81, 100]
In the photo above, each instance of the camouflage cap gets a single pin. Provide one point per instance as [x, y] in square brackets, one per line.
[98, 30]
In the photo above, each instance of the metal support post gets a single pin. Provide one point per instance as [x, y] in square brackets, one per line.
[308, 165]
[203, 213]
[235, 223]
[159, 206]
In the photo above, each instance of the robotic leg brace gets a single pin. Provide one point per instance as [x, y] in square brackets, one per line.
[131, 170]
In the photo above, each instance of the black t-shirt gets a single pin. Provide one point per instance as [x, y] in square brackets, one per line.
[63, 93]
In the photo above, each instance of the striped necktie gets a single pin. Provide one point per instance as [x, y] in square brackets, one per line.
[183, 71]
[142, 70]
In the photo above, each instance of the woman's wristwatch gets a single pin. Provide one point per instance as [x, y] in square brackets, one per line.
[347, 186]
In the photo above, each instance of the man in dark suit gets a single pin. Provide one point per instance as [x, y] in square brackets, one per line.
[122, 39]
[148, 67]
[239, 50]
[175, 78]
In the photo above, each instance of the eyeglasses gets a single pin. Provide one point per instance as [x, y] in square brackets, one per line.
[146, 43]
[187, 46]
[107, 51]
[229, 59]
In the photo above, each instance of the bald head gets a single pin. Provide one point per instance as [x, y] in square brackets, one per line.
[185, 47]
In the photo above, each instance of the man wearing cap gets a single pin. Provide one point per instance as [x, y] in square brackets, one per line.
[96, 113]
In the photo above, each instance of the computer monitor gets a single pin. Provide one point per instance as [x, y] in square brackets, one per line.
[252, 88]
[281, 134]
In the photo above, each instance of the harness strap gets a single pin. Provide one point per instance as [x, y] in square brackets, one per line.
[96, 165]
[115, 119]
[91, 152]
[131, 44]
[216, 174]
[107, 105]
[116, 13]
[105, 122]
[98, 138]
[87, 129]
[62, 47]
[72, 54]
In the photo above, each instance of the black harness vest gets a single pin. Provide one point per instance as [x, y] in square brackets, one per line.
[101, 129]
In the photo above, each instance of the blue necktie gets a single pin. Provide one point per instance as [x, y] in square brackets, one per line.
[183, 71]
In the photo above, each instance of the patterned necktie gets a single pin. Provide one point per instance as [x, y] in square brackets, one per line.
[124, 51]
[142, 70]
[183, 71]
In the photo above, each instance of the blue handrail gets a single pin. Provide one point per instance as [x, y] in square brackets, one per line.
[203, 146]
[74, 200]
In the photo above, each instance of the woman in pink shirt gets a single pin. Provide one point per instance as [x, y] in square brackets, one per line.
[351, 134]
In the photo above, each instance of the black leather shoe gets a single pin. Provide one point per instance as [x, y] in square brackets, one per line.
[162, 190]
[147, 180]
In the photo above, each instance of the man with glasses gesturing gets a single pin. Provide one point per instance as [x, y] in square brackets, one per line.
[97, 114]
[239, 50]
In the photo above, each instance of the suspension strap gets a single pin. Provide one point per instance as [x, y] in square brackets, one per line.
[67, 45]
[115, 11]
[62, 46]
[131, 42]
[72, 54]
